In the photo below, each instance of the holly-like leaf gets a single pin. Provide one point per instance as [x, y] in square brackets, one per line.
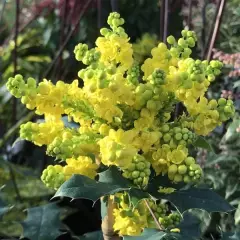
[237, 215]
[137, 195]
[42, 223]
[203, 143]
[162, 181]
[231, 134]
[97, 235]
[200, 198]
[3, 208]
[113, 176]
[231, 236]
[147, 234]
[190, 227]
[79, 186]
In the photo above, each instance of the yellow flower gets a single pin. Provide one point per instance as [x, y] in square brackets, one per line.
[81, 165]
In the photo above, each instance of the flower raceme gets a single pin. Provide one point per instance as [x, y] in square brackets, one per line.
[124, 112]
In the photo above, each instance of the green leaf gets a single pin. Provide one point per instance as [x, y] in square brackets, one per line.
[231, 236]
[104, 206]
[39, 58]
[3, 208]
[162, 181]
[231, 134]
[190, 227]
[79, 186]
[236, 84]
[147, 234]
[42, 223]
[237, 215]
[137, 195]
[200, 198]
[113, 176]
[97, 235]
[203, 143]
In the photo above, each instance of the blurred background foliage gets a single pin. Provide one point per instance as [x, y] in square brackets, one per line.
[44, 26]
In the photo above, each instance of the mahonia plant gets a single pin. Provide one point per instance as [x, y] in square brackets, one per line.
[124, 112]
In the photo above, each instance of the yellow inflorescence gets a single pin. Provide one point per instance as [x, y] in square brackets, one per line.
[124, 113]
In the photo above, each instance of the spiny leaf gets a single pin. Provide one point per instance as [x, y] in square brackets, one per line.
[200, 198]
[113, 176]
[162, 181]
[42, 223]
[231, 134]
[231, 236]
[203, 143]
[190, 227]
[79, 186]
[3, 208]
[237, 215]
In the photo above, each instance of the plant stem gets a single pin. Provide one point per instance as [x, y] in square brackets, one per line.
[203, 35]
[153, 215]
[107, 223]
[2, 10]
[14, 128]
[189, 14]
[67, 38]
[62, 35]
[14, 108]
[99, 12]
[14, 182]
[165, 32]
[216, 28]
[114, 5]
[162, 19]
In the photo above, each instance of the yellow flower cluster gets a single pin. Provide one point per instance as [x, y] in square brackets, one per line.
[55, 176]
[143, 46]
[125, 112]
[129, 220]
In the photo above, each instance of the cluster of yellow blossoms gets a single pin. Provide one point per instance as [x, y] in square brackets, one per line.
[125, 112]
[143, 46]
[131, 220]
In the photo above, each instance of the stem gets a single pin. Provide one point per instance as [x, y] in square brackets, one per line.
[154, 217]
[165, 33]
[99, 12]
[2, 10]
[189, 14]
[62, 35]
[107, 223]
[162, 19]
[67, 39]
[14, 109]
[14, 182]
[114, 5]
[203, 37]
[216, 28]
[14, 128]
